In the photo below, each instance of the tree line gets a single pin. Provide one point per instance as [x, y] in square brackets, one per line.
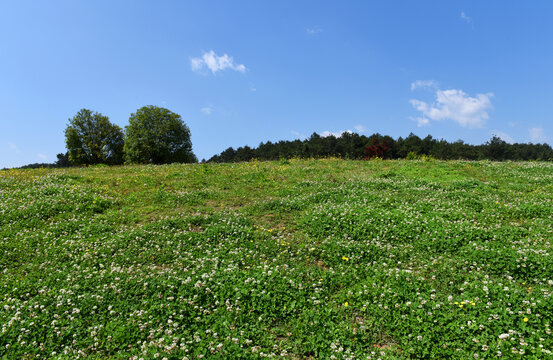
[154, 135]
[355, 146]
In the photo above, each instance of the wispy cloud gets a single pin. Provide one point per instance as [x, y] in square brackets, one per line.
[207, 110]
[14, 147]
[215, 63]
[298, 135]
[360, 129]
[425, 84]
[504, 136]
[314, 30]
[467, 18]
[421, 121]
[253, 88]
[537, 135]
[336, 133]
[42, 156]
[456, 105]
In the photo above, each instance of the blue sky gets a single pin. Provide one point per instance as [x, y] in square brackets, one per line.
[243, 72]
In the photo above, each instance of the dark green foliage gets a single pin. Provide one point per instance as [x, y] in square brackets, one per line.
[91, 138]
[497, 149]
[354, 146]
[63, 160]
[35, 166]
[157, 136]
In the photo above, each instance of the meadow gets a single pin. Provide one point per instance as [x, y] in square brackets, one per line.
[292, 259]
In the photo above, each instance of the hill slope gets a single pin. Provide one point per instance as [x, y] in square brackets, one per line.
[293, 259]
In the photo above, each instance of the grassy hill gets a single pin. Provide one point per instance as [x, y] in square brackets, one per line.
[294, 259]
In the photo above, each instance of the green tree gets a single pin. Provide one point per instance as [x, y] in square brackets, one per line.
[157, 136]
[91, 138]
[63, 160]
[498, 149]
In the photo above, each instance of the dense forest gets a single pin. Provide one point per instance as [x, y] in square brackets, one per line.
[355, 146]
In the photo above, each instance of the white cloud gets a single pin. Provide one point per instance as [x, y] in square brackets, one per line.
[253, 88]
[42, 156]
[467, 18]
[215, 63]
[14, 147]
[207, 110]
[360, 129]
[314, 30]
[456, 105]
[425, 84]
[504, 136]
[335, 134]
[421, 121]
[537, 135]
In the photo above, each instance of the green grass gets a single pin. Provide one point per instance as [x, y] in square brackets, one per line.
[297, 259]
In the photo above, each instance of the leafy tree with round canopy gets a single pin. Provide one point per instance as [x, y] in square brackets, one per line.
[91, 138]
[156, 135]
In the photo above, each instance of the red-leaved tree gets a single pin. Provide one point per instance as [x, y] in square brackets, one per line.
[377, 149]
